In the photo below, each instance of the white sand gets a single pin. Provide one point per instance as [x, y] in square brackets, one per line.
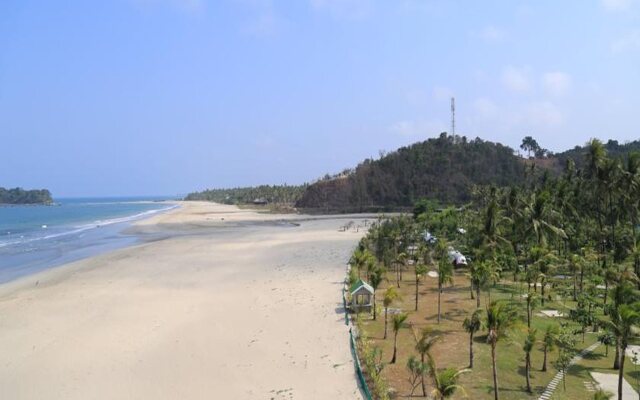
[228, 311]
[609, 383]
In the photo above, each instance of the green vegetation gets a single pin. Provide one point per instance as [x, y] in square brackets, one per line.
[21, 196]
[445, 169]
[264, 194]
[563, 244]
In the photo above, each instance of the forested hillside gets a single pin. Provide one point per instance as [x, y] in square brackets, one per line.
[445, 169]
[278, 194]
[21, 196]
[613, 148]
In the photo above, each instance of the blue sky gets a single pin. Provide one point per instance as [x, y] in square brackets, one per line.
[134, 97]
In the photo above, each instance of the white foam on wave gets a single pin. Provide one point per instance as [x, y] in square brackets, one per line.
[93, 225]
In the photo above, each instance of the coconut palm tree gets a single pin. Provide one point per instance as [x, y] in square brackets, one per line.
[398, 323]
[501, 318]
[400, 262]
[622, 320]
[420, 270]
[376, 277]
[548, 343]
[471, 325]
[424, 343]
[602, 395]
[445, 382]
[532, 300]
[529, 342]
[390, 295]
[445, 276]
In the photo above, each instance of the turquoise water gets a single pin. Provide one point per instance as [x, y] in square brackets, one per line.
[33, 238]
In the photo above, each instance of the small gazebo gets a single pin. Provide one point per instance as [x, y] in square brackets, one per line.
[361, 296]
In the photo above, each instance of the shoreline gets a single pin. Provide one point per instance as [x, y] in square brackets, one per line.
[228, 304]
[78, 242]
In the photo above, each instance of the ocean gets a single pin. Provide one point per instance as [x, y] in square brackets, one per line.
[34, 238]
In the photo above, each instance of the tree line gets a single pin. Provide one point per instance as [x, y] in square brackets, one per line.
[574, 235]
[21, 196]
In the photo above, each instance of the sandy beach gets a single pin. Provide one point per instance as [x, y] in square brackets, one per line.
[223, 303]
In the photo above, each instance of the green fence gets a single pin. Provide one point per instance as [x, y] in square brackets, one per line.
[356, 360]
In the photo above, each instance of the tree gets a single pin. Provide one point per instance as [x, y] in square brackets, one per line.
[532, 301]
[398, 323]
[548, 343]
[445, 382]
[417, 370]
[562, 364]
[623, 319]
[424, 344]
[445, 276]
[376, 277]
[602, 395]
[529, 342]
[501, 318]
[607, 339]
[529, 144]
[421, 269]
[390, 295]
[471, 325]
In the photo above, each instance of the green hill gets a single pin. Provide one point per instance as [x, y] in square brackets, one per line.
[21, 196]
[445, 169]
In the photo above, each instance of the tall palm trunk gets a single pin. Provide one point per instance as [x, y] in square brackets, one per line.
[621, 372]
[544, 360]
[386, 311]
[526, 371]
[417, 282]
[477, 296]
[424, 386]
[374, 305]
[395, 347]
[439, 295]
[471, 350]
[495, 371]
[616, 359]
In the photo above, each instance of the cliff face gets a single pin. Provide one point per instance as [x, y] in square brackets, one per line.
[445, 169]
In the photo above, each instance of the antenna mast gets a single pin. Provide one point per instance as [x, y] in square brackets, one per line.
[453, 116]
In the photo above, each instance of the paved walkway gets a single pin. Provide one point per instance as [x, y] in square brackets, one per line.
[609, 383]
[558, 378]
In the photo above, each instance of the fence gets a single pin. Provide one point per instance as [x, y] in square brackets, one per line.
[356, 360]
[354, 351]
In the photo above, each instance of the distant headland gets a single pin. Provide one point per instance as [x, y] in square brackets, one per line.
[20, 196]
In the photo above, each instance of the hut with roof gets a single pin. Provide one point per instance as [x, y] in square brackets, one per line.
[361, 296]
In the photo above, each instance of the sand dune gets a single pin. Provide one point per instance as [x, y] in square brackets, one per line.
[232, 308]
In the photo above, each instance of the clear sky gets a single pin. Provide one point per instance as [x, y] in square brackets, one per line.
[134, 97]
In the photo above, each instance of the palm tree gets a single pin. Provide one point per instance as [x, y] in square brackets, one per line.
[445, 382]
[445, 276]
[501, 318]
[424, 344]
[398, 323]
[421, 269]
[602, 395]
[529, 342]
[390, 295]
[376, 276]
[532, 300]
[417, 370]
[471, 325]
[548, 343]
[623, 319]
[400, 261]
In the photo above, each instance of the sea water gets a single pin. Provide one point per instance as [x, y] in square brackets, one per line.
[33, 238]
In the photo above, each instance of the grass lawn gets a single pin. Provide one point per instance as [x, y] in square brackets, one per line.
[453, 349]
